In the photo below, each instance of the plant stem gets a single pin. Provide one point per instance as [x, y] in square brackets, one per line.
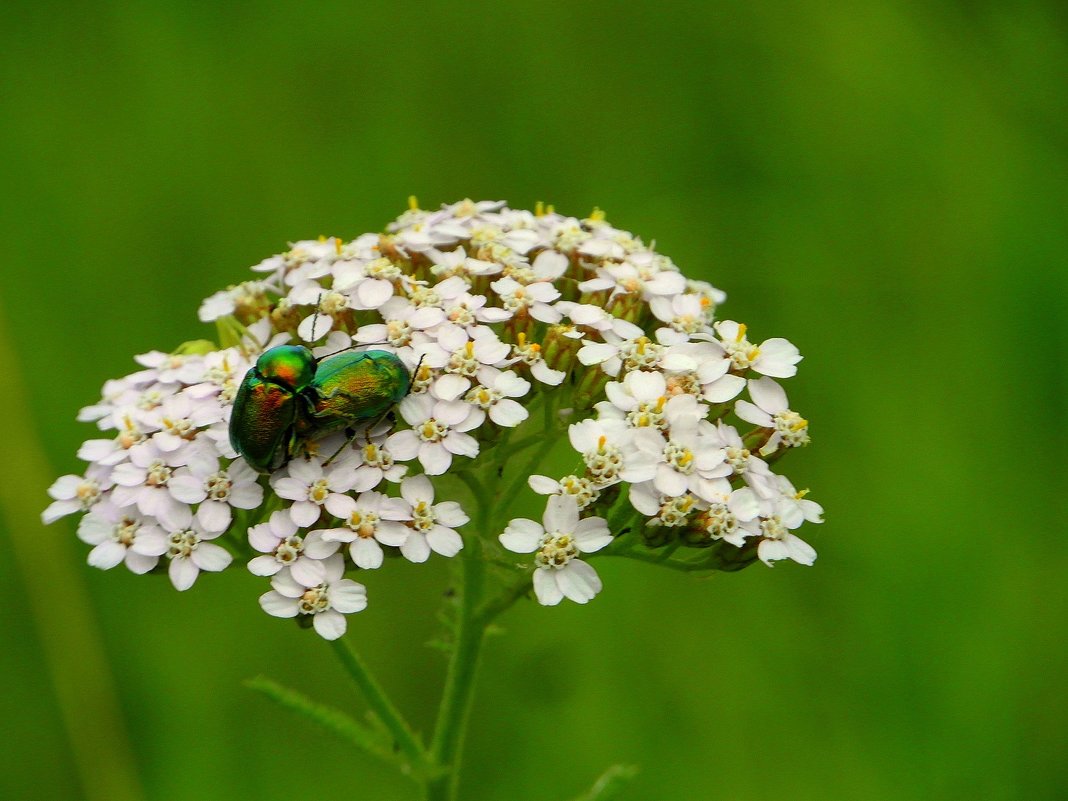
[381, 705]
[459, 683]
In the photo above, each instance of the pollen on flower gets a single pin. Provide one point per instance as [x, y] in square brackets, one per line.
[792, 427]
[218, 486]
[158, 473]
[641, 354]
[718, 521]
[319, 491]
[679, 457]
[649, 414]
[314, 600]
[182, 544]
[556, 550]
[676, 511]
[432, 431]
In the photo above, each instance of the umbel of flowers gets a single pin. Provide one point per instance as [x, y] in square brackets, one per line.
[528, 336]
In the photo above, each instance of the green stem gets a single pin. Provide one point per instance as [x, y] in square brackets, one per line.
[459, 683]
[491, 609]
[658, 559]
[380, 704]
[548, 441]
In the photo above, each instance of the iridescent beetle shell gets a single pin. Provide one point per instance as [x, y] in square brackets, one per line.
[355, 387]
[289, 397]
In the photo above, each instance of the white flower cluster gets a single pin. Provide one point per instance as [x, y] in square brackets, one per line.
[488, 308]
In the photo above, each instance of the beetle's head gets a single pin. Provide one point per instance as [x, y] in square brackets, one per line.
[290, 366]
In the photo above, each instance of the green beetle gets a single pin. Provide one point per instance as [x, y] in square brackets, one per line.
[290, 397]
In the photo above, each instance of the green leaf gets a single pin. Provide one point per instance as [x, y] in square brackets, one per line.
[610, 783]
[376, 743]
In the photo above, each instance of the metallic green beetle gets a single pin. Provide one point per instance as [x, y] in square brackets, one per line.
[290, 397]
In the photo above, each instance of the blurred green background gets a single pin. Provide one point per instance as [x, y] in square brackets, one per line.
[882, 182]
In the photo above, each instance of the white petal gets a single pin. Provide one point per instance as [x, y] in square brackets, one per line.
[304, 513]
[347, 596]
[107, 554]
[460, 444]
[768, 395]
[278, 605]
[416, 548]
[522, 535]
[292, 489]
[140, 563]
[449, 387]
[444, 541]
[546, 589]
[451, 514]
[330, 624]
[800, 551]
[58, 509]
[434, 458]
[417, 488]
[543, 485]
[592, 534]
[366, 553]
[578, 581]
[508, 413]
[211, 557]
[264, 566]
[670, 482]
[214, 516]
[183, 573]
[561, 514]
[315, 547]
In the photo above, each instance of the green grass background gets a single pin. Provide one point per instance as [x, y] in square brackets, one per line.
[882, 182]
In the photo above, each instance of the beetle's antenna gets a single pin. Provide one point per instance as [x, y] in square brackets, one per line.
[315, 318]
[353, 347]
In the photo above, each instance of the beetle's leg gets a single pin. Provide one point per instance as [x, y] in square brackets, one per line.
[351, 436]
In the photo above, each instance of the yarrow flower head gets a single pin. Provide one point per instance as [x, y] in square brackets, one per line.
[399, 395]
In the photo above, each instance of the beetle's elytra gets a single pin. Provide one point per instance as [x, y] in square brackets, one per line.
[289, 397]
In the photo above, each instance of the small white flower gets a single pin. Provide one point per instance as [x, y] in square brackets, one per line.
[172, 368]
[432, 526]
[778, 540]
[145, 480]
[72, 494]
[774, 357]
[685, 315]
[329, 599]
[726, 515]
[369, 284]
[190, 551]
[770, 409]
[178, 420]
[663, 510]
[121, 535]
[404, 324]
[310, 486]
[558, 571]
[583, 489]
[690, 459]
[371, 461]
[368, 522]
[246, 295]
[494, 394]
[436, 434]
[282, 546]
[602, 444]
[217, 491]
[529, 353]
[458, 263]
[532, 299]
